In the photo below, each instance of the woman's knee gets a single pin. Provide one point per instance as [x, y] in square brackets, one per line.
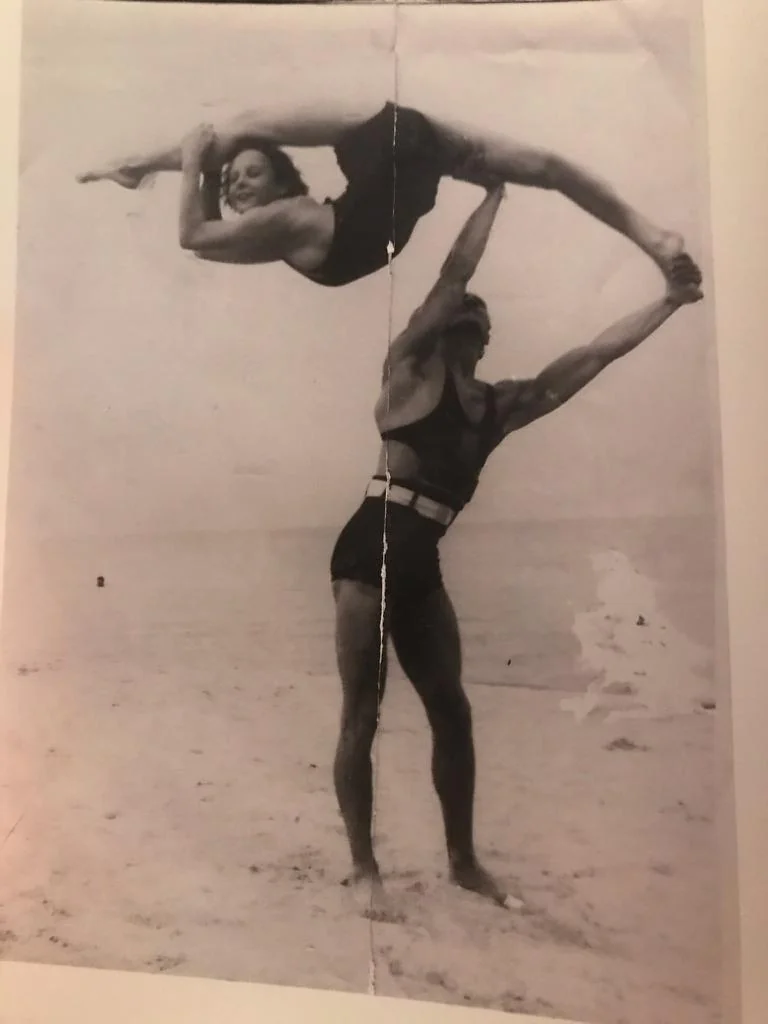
[472, 163]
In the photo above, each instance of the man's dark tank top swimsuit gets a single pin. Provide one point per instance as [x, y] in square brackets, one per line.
[451, 449]
[452, 452]
[393, 164]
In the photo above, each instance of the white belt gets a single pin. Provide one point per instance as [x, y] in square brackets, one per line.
[420, 503]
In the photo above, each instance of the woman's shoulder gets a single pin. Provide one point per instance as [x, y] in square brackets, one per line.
[305, 214]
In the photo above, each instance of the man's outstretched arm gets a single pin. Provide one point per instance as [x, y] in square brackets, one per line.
[522, 402]
[447, 294]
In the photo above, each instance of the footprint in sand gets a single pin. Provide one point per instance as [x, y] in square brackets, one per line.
[372, 902]
[165, 963]
[645, 667]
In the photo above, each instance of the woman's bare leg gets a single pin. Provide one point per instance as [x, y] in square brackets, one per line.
[482, 157]
[300, 128]
[492, 156]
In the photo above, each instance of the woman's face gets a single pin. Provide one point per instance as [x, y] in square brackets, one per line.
[251, 181]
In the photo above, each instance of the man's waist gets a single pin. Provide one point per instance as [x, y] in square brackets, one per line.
[413, 496]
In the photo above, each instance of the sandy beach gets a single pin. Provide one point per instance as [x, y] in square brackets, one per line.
[168, 807]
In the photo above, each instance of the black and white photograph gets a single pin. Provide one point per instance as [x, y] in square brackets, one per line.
[361, 604]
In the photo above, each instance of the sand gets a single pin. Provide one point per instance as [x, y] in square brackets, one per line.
[166, 797]
[184, 822]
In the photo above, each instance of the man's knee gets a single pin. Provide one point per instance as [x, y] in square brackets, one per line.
[451, 713]
[360, 720]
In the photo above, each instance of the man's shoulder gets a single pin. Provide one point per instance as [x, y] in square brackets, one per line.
[509, 386]
[408, 361]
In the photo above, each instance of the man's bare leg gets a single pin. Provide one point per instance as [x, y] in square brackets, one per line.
[489, 156]
[362, 667]
[426, 639]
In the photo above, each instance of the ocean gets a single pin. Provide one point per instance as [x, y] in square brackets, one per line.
[263, 600]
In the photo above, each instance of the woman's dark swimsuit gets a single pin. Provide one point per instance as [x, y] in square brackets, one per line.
[393, 164]
[452, 452]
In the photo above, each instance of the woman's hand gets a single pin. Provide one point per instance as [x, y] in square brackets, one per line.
[198, 144]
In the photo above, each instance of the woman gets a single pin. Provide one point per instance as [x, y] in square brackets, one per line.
[393, 162]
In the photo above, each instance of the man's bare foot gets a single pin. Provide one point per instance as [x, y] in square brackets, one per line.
[472, 876]
[371, 897]
[122, 174]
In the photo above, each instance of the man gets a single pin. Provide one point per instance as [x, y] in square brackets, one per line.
[438, 425]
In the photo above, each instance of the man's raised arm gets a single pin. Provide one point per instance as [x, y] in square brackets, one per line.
[447, 293]
[521, 402]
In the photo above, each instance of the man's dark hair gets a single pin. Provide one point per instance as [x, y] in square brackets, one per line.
[286, 172]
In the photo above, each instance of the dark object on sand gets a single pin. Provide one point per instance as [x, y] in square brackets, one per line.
[622, 743]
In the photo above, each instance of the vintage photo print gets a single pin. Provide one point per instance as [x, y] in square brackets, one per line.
[360, 624]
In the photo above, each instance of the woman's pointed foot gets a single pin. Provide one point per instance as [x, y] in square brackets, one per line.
[127, 177]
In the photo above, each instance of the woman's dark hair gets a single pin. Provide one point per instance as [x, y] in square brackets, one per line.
[286, 172]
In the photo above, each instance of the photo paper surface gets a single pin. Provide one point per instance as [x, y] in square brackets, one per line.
[245, 413]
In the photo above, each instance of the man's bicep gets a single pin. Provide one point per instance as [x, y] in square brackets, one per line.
[519, 402]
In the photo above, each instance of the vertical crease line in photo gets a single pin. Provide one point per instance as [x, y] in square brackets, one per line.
[387, 480]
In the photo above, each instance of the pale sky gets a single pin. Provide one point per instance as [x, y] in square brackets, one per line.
[158, 393]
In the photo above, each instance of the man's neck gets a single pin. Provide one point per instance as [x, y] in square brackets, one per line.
[461, 372]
